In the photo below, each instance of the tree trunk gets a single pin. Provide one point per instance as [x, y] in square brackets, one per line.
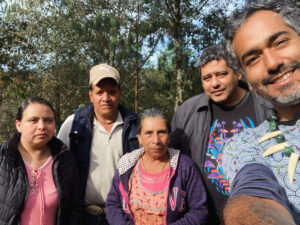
[178, 73]
[137, 59]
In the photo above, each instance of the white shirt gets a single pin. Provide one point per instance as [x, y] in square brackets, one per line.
[106, 150]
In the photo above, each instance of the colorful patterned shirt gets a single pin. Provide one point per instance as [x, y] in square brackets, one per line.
[148, 196]
[244, 149]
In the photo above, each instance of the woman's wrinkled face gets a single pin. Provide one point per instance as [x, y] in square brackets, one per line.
[37, 125]
[154, 137]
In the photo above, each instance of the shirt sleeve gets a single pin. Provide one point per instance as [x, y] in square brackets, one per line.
[65, 130]
[258, 180]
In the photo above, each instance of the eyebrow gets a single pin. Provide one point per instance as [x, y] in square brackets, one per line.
[269, 42]
[205, 75]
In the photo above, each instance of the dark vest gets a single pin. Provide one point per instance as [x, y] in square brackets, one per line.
[82, 132]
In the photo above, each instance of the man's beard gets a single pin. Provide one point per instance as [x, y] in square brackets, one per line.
[287, 100]
[289, 97]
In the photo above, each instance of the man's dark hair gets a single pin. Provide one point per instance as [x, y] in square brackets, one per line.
[91, 85]
[217, 52]
[289, 13]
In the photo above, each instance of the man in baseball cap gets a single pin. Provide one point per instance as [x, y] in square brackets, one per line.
[102, 71]
[98, 135]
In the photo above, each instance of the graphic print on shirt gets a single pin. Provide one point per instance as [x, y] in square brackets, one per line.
[245, 149]
[219, 133]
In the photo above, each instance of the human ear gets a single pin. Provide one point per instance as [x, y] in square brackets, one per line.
[18, 126]
[90, 95]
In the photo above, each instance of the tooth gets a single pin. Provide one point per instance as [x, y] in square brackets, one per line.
[287, 75]
[269, 136]
[275, 148]
[292, 166]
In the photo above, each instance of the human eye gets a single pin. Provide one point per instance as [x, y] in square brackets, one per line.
[222, 73]
[163, 132]
[280, 42]
[49, 120]
[112, 92]
[147, 133]
[206, 78]
[33, 119]
[251, 60]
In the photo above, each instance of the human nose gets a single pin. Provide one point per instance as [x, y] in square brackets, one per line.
[272, 61]
[41, 125]
[105, 96]
[156, 139]
[215, 82]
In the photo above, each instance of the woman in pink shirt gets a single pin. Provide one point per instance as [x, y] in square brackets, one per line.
[38, 175]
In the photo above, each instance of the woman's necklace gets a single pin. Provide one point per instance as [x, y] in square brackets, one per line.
[281, 145]
[143, 164]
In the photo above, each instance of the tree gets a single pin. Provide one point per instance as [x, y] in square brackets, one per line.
[48, 47]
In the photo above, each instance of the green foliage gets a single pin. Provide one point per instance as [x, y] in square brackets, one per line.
[48, 47]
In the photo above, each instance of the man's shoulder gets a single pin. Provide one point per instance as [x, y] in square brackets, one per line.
[69, 119]
[248, 134]
[86, 110]
[197, 100]
[193, 104]
[261, 101]
[244, 144]
[65, 129]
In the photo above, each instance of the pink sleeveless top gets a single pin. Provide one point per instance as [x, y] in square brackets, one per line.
[42, 200]
[148, 196]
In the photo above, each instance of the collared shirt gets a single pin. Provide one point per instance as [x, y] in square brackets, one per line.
[106, 150]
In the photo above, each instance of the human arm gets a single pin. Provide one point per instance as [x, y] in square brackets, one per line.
[196, 213]
[249, 210]
[115, 213]
[257, 198]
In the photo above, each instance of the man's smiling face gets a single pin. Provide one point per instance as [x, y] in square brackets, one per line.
[269, 52]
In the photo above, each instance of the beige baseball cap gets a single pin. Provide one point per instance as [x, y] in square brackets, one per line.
[102, 71]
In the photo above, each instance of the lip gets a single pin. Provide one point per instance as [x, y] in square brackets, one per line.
[276, 79]
[156, 149]
[106, 105]
[217, 92]
[41, 135]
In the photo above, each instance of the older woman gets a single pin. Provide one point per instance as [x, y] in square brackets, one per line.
[38, 176]
[156, 184]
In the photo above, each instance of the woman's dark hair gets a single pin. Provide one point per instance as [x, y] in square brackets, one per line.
[151, 113]
[27, 101]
